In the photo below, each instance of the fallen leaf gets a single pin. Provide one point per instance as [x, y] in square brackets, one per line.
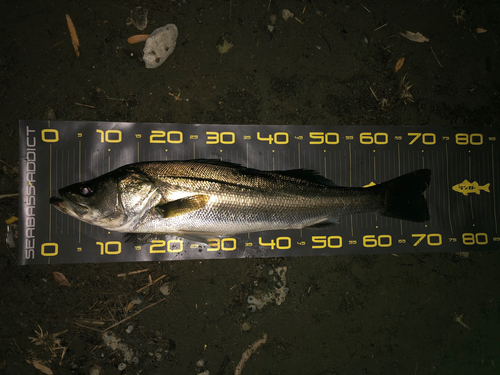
[224, 47]
[480, 30]
[74, 36]
[12, 220]
[399, 64]
[61, 279]
[414, 37]
[41, 367]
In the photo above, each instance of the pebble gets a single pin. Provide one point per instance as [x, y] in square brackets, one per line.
[129, 329]
[200, 363]
[246, 326]
[122, 366]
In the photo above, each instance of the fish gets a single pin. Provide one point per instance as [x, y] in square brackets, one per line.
[467, 187]
[202, 198]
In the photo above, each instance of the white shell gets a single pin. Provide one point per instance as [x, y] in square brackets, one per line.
[160, 45]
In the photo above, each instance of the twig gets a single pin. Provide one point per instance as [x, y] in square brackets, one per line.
[436, 57]
[87, 327]
[8, 195]
[368, 10]
[132, 272]
[131, 316]
[7, 164]
[150, 283]
[85, 105]
[269, 5]
[296, 19]
[378, 28]
[373, 93]
[247, 353]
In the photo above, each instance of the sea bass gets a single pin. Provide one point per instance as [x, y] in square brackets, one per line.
[200, 199]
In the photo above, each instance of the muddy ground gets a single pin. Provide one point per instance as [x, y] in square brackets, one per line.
[371, 314]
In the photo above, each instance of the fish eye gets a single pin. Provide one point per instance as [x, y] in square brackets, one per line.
[86, 191]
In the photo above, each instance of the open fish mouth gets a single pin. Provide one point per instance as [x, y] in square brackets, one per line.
[68, 207]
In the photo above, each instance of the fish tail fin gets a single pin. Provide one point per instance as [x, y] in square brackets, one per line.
[403, 198]
[486, 188]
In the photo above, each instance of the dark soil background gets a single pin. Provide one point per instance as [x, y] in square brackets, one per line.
[344, 315]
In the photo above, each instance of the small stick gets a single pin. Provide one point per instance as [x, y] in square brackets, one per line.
[132, 272]
[247, 353]
[373, 93]
[296, 19]
[85, 105]
[269, 5]
[368, 10]
[8, 195]
[378, 28]
[131, 316]
[436, 57]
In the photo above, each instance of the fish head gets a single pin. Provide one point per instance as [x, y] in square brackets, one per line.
[112, 201]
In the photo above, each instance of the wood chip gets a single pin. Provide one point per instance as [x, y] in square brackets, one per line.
[480, 30]
[414, 37]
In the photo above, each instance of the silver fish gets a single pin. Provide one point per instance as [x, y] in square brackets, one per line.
[199, 199]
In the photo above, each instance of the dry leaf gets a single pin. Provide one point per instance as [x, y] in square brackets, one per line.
[74, 36]
[399, 64]
[61, 279]
[480, 30]
[41, 367]
[414, 37]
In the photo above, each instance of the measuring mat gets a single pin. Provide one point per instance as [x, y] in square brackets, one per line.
[462, 196]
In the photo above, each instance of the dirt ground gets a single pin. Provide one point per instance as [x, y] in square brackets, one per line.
[331, 65]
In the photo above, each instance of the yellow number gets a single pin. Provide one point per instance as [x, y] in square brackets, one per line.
[50, 140]
[226, 248]
[105, 135]
[169, 246]
[477, 239]
[214, 138]
[427, 138]
[421, 237]
[316, 135]
[286, 246]
[433, 239]
[384, 240]
[324, 138]
[492, 138]
[324, 241]
[213, 244]
[369, 241]
[175, 133]
[284, 142]
[45, 253]
[476, 139]
[318, 239]
[377, 138]
[270, 138]
[333, 246]
[270, 244]
[276, 139]
[464, 139]
[416, 136]
[155, 244]
[402, 240]
[155, 134]
[105, 247]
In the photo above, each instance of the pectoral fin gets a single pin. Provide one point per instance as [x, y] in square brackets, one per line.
[183, 206]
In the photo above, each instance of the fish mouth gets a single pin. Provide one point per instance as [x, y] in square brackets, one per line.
[69, 207]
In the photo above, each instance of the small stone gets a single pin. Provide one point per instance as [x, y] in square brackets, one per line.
[158, 356]
[246, 326]
[122, 366]
[129, 329]
[166, 289]
[200, 363]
